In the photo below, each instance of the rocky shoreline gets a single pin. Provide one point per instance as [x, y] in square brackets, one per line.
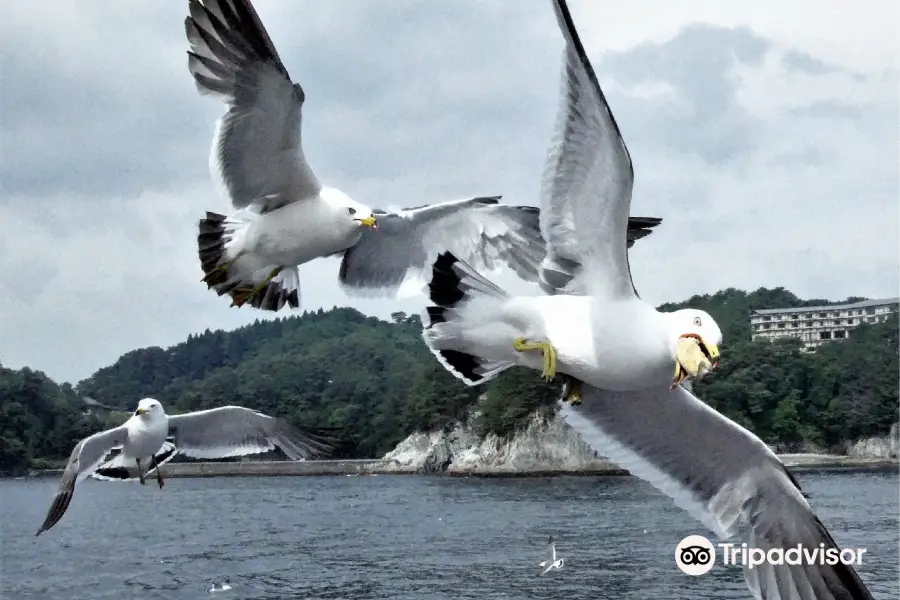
[349, 468]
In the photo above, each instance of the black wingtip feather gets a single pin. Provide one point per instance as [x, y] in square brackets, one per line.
[115, 472]
[443, 289]
[436, 314]
[463, 363]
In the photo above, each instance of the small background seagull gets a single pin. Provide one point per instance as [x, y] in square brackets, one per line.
[551, 562]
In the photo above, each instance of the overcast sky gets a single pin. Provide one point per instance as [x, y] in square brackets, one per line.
[764, 133]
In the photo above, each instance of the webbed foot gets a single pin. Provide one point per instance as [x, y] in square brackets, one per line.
[520, 344]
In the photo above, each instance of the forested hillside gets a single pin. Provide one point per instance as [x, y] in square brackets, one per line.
[377, 382]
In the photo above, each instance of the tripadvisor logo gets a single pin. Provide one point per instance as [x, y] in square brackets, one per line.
[695, 555]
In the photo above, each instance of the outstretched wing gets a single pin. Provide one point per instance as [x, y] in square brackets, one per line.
[256, 150]
[87, 455]
[720, 473]
[236, 431]
[587, 183]
[480, 231]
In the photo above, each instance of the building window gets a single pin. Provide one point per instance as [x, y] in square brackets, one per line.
[824, 335]
[781, 326]
[840, 334]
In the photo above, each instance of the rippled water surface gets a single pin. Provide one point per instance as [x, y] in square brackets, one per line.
[395, 537]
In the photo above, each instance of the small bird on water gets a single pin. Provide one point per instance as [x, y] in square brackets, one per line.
[224, 587]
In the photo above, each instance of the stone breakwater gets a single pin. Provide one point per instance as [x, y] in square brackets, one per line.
[540, 449]
[348, 468]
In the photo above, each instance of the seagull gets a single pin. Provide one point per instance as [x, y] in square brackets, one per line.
[552, 562]
[215, 433]
[620, 353]
[284, 216]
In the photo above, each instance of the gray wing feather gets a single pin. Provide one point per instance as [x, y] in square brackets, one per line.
[587, 181]
[87, 455]
[236, 431]
[719, 472]
[479, 231]
[257, 150]
[557, 273]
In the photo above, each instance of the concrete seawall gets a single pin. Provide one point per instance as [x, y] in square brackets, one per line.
[309, 468]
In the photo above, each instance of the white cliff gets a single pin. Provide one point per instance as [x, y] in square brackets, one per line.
[540, 447]
[554, 447]
[886, 446]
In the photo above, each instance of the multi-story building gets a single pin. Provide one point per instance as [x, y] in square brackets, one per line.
[814, 325]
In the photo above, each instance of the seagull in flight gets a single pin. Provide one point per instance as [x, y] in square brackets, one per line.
[216, 433]
[551, 562]
[284, 216]
[629, 365]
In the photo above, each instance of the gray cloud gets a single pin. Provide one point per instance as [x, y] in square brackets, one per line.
[795, 60]
[697, 63]
[106, 141]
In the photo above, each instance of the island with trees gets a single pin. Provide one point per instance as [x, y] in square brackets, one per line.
[376, 383]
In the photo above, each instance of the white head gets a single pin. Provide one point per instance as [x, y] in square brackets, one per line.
[149, 408]
[349, 211]
[699, 325]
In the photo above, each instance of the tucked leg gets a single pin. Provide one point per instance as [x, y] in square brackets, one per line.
[242, 295]
[547, 351]
[572, 391]
[159, 477]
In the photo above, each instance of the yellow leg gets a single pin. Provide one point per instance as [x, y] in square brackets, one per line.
[547, 351]
[241, 295]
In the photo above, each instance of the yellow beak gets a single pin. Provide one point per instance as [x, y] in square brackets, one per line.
[369, 222]
[690, 360]
[140, 411]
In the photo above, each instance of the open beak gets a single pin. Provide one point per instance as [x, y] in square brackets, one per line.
[139, 412]
[369, 222]
[695, 357]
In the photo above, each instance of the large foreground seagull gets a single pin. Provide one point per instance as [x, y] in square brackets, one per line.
[632, 406]
[284, 216]
[142, 441]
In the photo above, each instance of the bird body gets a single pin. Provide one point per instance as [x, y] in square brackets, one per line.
[617, 344]
[147, 429]
[551, 562]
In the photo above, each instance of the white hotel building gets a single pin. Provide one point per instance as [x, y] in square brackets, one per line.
[814, 325]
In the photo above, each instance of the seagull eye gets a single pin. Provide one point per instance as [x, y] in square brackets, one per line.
[697, 321]
[352, 211]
